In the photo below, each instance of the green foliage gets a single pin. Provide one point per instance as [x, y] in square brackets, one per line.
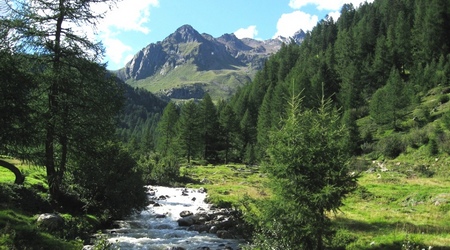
[166, 170]
[390, 146]
[28, 199]
[209, 126]
[138, 121]
[309, 176]
[166, 142]
[189, 130]
[109, 182]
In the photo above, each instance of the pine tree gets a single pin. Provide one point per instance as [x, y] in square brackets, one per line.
[166, 131]
[388, 102]
[189, 130]
[79, 99]
[229, 132]
[210, 128]
[308, 171]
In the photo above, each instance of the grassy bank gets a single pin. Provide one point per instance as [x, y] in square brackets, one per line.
[404, 207]
[20, 206]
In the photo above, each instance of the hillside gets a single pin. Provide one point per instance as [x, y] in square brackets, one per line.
[186, 64]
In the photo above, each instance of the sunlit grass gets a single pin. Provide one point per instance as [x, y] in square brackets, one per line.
[388, 209]
[34, 175]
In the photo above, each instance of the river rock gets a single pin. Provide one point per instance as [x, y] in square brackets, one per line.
[224, 234]
[185, 213]
[186, 221]
[199, 228]
[51, 222]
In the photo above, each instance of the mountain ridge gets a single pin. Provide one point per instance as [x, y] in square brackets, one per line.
[187, 60]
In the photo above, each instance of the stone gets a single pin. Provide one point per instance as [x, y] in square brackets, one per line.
[51, 222]
[224, 234]
[186, 221]
[186, 213]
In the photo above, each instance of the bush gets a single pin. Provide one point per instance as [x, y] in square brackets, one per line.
[109, 182]
[26, 199]
[391, 146]
[443, 99]
[166, 170]
[341, 239]
[416, 138]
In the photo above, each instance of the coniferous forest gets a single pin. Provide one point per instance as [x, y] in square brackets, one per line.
[356, 88]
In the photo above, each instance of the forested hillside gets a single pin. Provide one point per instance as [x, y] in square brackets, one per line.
[138, 119]
[377, 63]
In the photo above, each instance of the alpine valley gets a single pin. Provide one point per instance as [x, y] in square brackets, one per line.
[187, 64]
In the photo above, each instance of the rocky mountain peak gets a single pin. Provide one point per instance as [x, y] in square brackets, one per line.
[211, 61]
[185, 34]
[299, 36]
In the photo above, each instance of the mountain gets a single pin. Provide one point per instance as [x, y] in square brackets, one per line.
[186, 64]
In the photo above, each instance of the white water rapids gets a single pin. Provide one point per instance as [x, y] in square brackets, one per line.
[156, 228]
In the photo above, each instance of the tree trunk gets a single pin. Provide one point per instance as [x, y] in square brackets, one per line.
[19, 176]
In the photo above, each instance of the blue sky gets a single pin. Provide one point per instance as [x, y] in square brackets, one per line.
[133, 24]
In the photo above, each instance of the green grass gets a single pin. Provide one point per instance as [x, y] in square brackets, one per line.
[18, 229]
[394, 208]
[34, 175]
[220, 84]
[388, 209]
[228, 184]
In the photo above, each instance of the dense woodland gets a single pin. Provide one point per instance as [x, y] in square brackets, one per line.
[375, 62]
[353, 84]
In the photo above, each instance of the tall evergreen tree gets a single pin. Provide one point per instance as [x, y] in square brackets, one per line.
[308, 171]
[167, 131]
[388, 102]
[209, 128]
[229, 132]
[189, 130]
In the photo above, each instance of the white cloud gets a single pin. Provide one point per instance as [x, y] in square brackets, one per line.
[290, 23]
[125, 16]
[333, 5]
[249, 32]
[335, 15]
[116, 50]
[128, 15]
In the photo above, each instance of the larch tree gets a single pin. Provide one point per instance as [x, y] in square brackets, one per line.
[78, 98]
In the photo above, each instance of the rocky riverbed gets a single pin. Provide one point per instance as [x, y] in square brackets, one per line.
[177, 219]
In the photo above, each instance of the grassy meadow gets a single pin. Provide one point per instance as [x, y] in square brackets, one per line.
[398, 204]
[401, 208]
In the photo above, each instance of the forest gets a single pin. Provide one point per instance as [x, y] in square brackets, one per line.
[353, 89]
[374, 63]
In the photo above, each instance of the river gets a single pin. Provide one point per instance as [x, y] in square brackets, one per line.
[156, 228]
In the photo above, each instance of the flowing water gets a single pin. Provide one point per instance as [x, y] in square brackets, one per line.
[157, 227]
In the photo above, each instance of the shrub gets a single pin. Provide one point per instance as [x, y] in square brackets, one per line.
[443, 99]
[109, 182]
[391, 146]
[166, 170]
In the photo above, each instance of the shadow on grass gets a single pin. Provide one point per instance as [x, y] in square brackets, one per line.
[361, 226]
[393, 227]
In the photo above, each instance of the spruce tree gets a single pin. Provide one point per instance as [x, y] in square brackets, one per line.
[209, 128]
[189, 133]
[166, 130]
[309, 175]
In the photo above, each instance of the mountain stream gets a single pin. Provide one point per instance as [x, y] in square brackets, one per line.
[157, 227]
